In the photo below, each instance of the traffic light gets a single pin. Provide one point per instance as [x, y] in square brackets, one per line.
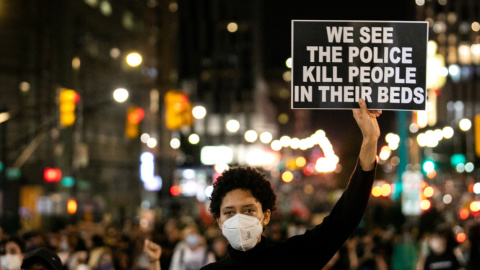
[72, 206]
[429, 167]
[178, 110]
[52, 175]
[68, 99]
[134, 117]
[456, 159]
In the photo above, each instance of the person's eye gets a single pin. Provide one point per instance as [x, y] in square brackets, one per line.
[249, 211]
[228, 213]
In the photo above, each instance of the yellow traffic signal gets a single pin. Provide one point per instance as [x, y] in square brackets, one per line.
[178, 110]
[68, 99]
[134, 117]
[72, 206]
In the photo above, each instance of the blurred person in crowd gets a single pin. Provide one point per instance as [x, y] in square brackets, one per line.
[405, 251]
[169, 239]
[219, 247]
[473, 262]
[441, 254]
[365, 252]
[100, 255]
[122, 252]
[34, 240]
[111, 236]
[192, 252]
[13, 250]
[58, 242]
[76, 246]
[345, 258]
[105, 260]
[154, 252]
[243, 200]
[3, 235]
[139, 257]
[383, 247]
[296, 227]
[42, 258]
[275, 231]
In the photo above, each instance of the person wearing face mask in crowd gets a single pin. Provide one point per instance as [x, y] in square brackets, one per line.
[14, 249]
[191, 253]
[442, 255]
[243, 199]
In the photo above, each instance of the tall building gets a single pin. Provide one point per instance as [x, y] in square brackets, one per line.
[220, 67]
[81, 46]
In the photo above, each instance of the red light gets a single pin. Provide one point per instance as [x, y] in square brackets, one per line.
[76, 98]
[461, 237]
[52, 175]
[309, 169]
[470, 187]
[463, 213]
[215, 176]
[175, 190]
[136, 115]
[183, 99]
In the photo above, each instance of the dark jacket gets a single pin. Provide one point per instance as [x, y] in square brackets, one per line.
[315, 248]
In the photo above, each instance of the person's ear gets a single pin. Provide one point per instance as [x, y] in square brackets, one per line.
[219, 223]
[266, 217]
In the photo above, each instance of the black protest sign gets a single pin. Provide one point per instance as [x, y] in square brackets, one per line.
[337, 62]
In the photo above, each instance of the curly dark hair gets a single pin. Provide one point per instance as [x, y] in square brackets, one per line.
[245, 178]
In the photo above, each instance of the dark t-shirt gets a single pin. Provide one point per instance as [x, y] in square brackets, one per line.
[445, 261]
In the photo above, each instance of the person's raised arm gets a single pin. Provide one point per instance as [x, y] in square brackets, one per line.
[153, 252]
[367, 122]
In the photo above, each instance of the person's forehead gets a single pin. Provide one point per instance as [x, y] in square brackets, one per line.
[238, 198]
[11, 245]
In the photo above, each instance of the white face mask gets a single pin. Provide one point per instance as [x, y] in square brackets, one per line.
[242, 231]
[12, 261]
[437, 245]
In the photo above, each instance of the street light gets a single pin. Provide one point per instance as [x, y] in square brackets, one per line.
[193, 138]
[465, 124]
[251, 136]
[289, 62]
[199, 112]
[232, 27]
[233, 125]
[134, 59]
[266, 137]
[120, 95]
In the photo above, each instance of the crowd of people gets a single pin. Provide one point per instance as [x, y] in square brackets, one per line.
[186, 243]
[190, 245]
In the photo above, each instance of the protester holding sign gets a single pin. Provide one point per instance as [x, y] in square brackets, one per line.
[243, 200]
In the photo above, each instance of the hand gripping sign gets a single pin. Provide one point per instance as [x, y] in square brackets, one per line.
[337, 62]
